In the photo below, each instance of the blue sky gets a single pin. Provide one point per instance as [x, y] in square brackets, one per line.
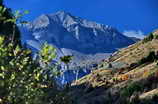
[133, 15]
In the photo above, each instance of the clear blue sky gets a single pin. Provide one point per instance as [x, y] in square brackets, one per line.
[121, 14]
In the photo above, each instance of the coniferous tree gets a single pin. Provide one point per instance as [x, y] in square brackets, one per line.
[7, 28]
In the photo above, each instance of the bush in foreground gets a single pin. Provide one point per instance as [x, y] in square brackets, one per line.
[22, 80]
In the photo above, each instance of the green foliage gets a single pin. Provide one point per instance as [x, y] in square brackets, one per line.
[22, 80]
[156, 36]
[130, 89]
[47, 53]
[2, 11]
[8, 21]
[110, 65]
[17, 17]
[8, 27]
[1, 2]
[66, 59]
[148, 38]
[17, 77]
[150, 58]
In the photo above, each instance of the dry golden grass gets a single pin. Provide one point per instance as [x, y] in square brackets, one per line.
[149, 94]
[139, 73]
[135, 52]
[96, 78]
[129, 55]
[120, 79]
[101, 77]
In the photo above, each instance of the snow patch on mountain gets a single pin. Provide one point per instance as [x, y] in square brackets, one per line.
[137, 34]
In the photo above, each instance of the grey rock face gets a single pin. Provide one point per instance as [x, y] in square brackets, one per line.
[87, 41]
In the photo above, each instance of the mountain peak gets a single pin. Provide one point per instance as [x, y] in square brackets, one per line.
[62, 13]
[60, 17]
[63, 17]
[89, 42]
[42, 21]
[71, 32]
[67, 20]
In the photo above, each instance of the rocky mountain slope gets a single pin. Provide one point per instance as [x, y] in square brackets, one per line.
[87, 41]
[129, 76]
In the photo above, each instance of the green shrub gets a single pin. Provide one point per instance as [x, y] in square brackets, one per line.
[22, 80]
[8, 28]
[131, 88]
[156, 36]
[150, 58]
[148, 38]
